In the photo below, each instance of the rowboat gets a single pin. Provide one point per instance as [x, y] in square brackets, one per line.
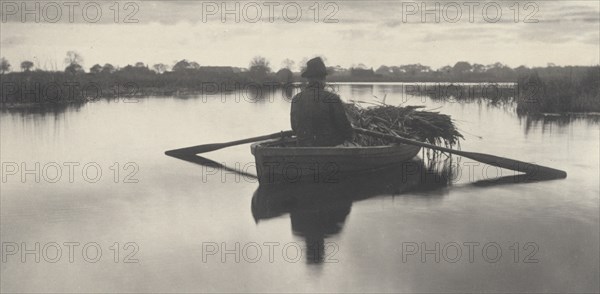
[279, 160]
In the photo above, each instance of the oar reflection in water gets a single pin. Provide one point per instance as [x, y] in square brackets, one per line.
[209, 163]
[319, 210]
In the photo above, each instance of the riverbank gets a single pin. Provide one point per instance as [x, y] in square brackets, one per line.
[40, 87]
[548, 90]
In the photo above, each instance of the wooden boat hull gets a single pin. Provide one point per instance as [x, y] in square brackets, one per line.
[275, 163]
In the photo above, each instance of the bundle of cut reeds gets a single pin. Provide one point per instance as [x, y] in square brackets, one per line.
[405, 121]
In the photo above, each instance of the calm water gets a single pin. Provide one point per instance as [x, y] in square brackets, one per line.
[176, 218]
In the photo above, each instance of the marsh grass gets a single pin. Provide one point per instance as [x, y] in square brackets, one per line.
[561, 91]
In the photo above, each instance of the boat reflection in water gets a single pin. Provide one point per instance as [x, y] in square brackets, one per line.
[319, 210]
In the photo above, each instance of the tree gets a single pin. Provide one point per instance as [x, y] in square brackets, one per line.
[285, 75]
[139, 64]
[521, 70]
[396, 70]
[96, 69]
[383, 70]
[359, 66]
[478, 68]
[73, 57]
[336, 69]
[26, 65]
[302, 64]
[159, 68]
[128, 68]
[422, 68]
[4, 65]
[181, 65]
[136, 70]
[331, 70]
[74, 68]
[446, 69]
[413, 69]
[288, 63]
[462, 67]
[259, 64]
[108, 68]
[495, 66]
[500, 71]
[73, 61]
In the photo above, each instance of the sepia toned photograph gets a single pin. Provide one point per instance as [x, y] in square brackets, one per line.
[300, 146]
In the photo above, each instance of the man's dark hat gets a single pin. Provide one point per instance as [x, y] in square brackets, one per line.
[315, 68]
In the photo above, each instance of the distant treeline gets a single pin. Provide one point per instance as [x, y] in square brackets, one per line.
[540, 89]
[74, 84]
[106, 82]
[461, 72]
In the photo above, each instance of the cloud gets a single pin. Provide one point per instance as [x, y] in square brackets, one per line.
[365, 33]
[462, 34]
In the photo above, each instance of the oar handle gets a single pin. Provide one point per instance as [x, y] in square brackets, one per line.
[404, 140]
[216, 146]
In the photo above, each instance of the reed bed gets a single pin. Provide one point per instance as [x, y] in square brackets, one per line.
[457, 92]
[560, 92]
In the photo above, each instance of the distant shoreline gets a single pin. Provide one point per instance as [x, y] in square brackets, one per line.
[545, 90]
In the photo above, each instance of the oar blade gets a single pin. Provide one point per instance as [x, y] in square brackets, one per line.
[528, 168]
[516, 165]
[196, 149]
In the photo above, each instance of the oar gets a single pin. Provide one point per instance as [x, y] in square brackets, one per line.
[498, 161]
[216, 146]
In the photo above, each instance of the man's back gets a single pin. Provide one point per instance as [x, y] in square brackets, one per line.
[318, 117]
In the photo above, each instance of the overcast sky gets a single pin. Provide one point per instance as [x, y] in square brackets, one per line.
[368, 32]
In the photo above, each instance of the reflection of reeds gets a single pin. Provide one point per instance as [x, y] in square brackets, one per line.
[545, 121]
[436, 173]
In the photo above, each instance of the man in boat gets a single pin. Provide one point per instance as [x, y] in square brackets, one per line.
[318, 116]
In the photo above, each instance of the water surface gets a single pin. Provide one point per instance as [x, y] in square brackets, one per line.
[176, 211]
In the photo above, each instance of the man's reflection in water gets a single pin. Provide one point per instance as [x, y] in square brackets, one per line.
[319, 210]
[316, 225]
